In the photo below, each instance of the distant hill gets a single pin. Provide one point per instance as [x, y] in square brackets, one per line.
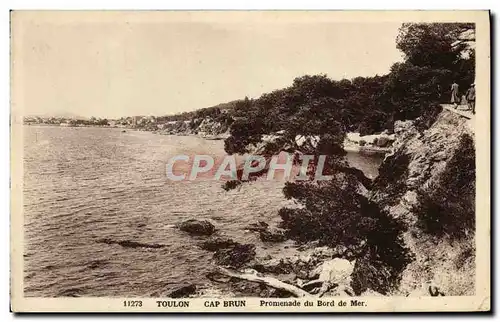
[61, 114]
[200, 113]
[226, 106]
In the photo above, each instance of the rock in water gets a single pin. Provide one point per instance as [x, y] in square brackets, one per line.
[184, 291]
[235, 256]
[259, 226]
[214, 244]
[129, 243]
[275, 235]
[197, 227]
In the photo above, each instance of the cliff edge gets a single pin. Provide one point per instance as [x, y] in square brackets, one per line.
[427, 182]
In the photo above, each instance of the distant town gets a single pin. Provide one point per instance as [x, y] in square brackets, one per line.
[141, 122]
[216, 118]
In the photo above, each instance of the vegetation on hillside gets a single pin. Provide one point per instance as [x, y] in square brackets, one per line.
[322, 110]
[448, 206]
[436, 55]
[213, 112]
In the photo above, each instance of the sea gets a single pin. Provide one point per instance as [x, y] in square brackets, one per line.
[88, 189]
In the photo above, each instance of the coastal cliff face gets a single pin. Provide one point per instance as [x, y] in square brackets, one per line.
[210, 127]
[205, 127]
[427, 184]
[426, 171]
[424, 243]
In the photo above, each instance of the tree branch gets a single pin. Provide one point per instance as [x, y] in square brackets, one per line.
[266, 280]
[365, 181]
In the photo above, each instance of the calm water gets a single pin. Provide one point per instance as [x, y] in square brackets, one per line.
[85, 184]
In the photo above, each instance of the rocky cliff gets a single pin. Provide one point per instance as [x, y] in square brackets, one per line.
[427, 185]
[427, 181]
[211, 128]
[206, 127]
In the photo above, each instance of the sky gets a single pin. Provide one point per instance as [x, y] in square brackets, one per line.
[124, 67]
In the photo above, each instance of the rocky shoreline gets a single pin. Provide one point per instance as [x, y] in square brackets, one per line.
[316, 270]
[369, 144]
[300, 270]
[306, 269]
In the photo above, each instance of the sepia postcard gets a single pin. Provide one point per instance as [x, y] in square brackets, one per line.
[250, 161]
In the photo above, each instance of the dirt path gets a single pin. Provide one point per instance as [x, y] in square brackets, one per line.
[460, 110]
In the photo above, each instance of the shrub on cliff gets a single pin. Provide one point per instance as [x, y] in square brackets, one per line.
[334, 213]
[437, 45]
[385, 256]
[428, 117]
[392, 175]
[412, 89]
[448, 206]
[435, 57]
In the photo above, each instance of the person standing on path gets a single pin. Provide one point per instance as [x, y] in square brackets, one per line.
[455, 100]
[471, 98]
